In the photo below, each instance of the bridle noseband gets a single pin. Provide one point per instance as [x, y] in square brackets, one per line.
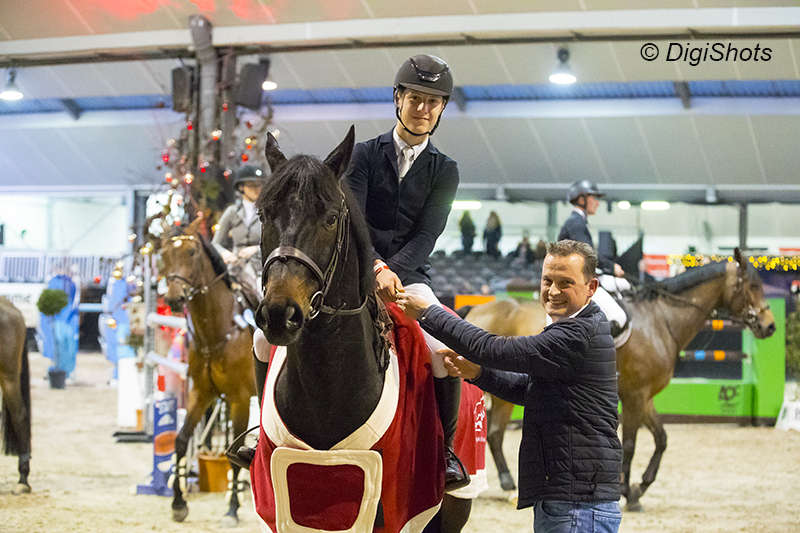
[750, 318]
[284, 253]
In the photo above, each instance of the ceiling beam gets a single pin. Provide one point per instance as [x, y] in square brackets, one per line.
[449, 30]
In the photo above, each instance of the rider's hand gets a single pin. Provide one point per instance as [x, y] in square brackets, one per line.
[618, 272]
[412, 304]
[457, 366]
[248, 251]
[388, 285]
[228, 257]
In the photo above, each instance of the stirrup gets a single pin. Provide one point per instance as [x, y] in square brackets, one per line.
[240, 455]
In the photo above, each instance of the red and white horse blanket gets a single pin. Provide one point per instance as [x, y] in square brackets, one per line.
[388, 475]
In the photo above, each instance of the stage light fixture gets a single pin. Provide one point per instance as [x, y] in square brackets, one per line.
[563, 74]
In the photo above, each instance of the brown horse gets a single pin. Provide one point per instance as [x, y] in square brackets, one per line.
[220, 351]
[15, 386]
[665, 317]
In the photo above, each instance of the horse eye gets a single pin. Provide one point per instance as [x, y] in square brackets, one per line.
[332, 220]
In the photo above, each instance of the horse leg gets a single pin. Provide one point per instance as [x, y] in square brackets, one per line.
[653, 423]
[17, 432]
[239, 414]
[631, 420]
[498, 418]
[197, 405]
[452, 516]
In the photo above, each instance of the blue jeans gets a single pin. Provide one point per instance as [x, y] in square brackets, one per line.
[576, 517]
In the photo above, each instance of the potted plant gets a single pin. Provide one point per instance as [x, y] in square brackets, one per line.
[50, 303]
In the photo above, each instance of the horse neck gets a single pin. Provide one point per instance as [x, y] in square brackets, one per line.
[211, 311]
[686, 314]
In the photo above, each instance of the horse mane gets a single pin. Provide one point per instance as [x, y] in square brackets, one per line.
[680, 283]
[219, 266]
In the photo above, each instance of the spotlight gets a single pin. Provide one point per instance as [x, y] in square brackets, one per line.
[11, 92]
[563, 74]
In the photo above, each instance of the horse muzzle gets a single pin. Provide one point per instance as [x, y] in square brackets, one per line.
[281, 320]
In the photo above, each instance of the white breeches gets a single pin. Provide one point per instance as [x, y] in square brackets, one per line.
[609, 306]
[437, 360]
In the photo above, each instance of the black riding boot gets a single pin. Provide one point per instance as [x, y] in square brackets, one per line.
[448, 396]
[242, 456]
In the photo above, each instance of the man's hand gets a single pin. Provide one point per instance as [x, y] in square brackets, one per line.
[412, 304]
[388, 285]
[457, 366]
[618, 272]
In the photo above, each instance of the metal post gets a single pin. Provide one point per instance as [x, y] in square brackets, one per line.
[743, 227]
[552, 221]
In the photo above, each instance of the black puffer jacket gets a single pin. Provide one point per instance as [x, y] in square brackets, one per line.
[565, 377]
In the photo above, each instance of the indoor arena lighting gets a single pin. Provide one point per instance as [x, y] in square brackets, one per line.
[11, 92]
[563, 74]
[466, 204]
[624, 205]
[655, 206]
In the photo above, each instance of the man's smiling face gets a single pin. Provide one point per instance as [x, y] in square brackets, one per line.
[564, 288]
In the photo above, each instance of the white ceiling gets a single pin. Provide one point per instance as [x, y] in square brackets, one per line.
[644, 148]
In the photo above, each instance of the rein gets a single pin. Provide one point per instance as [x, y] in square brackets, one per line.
[285, 253]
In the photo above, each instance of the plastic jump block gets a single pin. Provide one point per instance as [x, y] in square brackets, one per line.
[719, 355]
[700, 355]
[717, 325]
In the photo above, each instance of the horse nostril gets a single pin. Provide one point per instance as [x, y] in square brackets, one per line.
[770, 329]
[261, 316]
[293, 318]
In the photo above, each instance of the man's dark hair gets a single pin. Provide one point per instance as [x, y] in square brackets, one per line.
[567, 248]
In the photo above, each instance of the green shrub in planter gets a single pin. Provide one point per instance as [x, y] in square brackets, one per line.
[52, 301]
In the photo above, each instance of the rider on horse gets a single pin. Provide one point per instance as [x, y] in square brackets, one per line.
[584, 196]
[405, 188]
[238, 236]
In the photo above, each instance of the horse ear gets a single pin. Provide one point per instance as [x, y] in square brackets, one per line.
[195, 225]
[275, 157]
[339, 159]
[740, 260]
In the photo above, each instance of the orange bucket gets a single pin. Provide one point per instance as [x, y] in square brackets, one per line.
[213, 472]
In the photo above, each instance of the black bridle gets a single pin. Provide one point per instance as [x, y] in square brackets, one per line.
[284, 253]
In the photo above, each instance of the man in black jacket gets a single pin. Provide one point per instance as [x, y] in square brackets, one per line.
[570, 457]
[405, 188]
[585, 198]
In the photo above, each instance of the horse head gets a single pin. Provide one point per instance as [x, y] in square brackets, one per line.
[181, 255]
[305, 223]
[744, 297]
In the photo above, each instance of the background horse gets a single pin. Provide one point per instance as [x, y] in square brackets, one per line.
[664, 318]
[220, 351]
[334, 374]
[15, 386]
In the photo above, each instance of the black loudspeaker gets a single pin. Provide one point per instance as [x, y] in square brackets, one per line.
[249, 91]
[182, 78]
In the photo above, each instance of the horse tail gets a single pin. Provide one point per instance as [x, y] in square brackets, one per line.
[464, 310]
[16, 439]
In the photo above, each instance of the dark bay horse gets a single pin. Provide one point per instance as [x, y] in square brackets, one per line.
[220, 351]
[15, 386]
[331, 379]
[665, 317]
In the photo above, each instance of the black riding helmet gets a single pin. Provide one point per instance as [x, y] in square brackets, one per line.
[249, 173]
[581, 189]
[427, 74]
